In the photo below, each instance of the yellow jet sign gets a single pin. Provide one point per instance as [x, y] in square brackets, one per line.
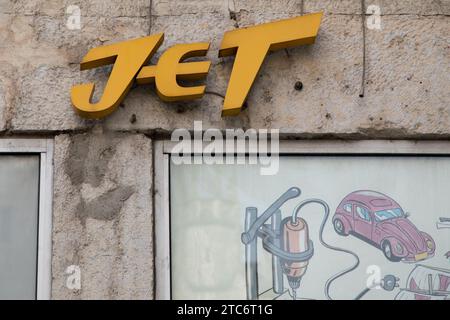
[130, 58]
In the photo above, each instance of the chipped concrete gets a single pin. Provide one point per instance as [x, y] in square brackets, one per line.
[106, 206]
[102, 212]
[102, 219]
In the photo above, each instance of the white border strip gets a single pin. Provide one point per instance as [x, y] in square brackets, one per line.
[44, 147]
[44, 275]
[162, 222]
[349, 146]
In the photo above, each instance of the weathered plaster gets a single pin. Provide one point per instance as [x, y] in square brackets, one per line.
[46, 56]
[102, 219]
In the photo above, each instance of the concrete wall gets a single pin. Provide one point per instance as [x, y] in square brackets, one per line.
[102, 215]
[103, 169]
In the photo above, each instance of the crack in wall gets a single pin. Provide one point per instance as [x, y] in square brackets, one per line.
[44, 15]
[150, 17]
[363, 21]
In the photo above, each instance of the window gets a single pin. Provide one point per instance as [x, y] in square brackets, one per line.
[363, 213]
[204, 214]
[348, 207]
[389, 214]
[25, 218]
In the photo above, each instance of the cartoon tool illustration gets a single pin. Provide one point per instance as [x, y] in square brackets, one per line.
[287, 240]
[380, 221]
[426, 283]
[443, 223]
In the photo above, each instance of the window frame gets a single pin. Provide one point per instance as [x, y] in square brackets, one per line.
[44, 148]
[359, 215]
[161, 155]
[345, 206]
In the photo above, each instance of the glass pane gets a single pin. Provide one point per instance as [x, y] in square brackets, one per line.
[19, 193]
[363, 213]
[208, 210]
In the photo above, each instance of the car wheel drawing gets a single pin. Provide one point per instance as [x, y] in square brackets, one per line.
[339, 227]
[387, 250]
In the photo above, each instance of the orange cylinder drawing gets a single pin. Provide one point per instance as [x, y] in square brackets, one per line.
[294, 240]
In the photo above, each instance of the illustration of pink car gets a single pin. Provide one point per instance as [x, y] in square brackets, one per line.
[380, 221]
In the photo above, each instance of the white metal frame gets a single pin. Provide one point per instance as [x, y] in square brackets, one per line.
[287, 147]
[43, 147]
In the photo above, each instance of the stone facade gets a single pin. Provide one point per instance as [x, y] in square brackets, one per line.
[103, 168]
[102, 215]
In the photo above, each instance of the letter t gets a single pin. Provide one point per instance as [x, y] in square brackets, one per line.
[251, 46]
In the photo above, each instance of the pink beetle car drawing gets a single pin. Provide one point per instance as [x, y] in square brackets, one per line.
[380, 221]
